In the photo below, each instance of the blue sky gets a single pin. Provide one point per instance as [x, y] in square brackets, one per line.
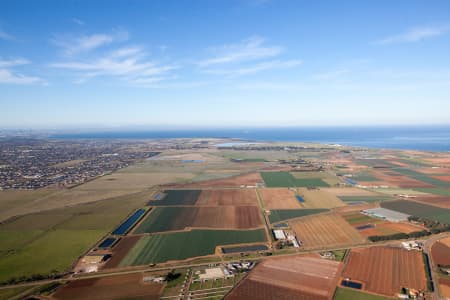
[223, 63]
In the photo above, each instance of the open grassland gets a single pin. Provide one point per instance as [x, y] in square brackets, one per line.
[327, 230]
[318, 198]
[285, 179]
[351, 294]
[401, 268]
[182, 245]
[294, 277]
[279, 215]
[41, 243]
[232, 180]
[128, 286]
[177, 197]
[227, 197]
[7, 294]
[179, 218]
[420, 210]
[279, 198]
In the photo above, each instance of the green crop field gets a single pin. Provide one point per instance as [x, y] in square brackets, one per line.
[350, 294]
[420, 210]
[286, 214]
[364, 177]
[6, 294]
[422, 177]
[182, 245]
[285, 179]
[364, 198]
[178, 197]
[167, 218]
[435, 191]
[356, 218]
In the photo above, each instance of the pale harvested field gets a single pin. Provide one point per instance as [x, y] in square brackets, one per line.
[388, 228]
[385, 270]
[250, 179]
[445, 241]
[350, 191]
[319, 199]
[393, 191]
[325, 231]
[279, 198]
[353, 208]
[294, 277]
[239, 197]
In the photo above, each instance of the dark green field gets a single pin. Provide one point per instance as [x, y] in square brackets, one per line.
[364, 198]
[182, 245]
[166, 219]
[419, 210]
[350, 294]
[177, 197]
[285, 179]
[286, 214]
[423, 177]
[434, 191]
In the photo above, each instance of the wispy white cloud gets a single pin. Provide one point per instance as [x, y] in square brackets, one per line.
[255, 68]
[5, 36]
[85, 43]
[128, 63]
[248, 50]
[9, 76]
[415, 34]
[78, 21]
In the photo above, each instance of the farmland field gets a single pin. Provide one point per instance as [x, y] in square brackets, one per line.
[444, 285]
[177, 197]
[120, 250]
[435, 191]
[325, 231]
[351, 294]
[319, 199]
[182, 245]
[229, 182]
[419, 210]
[178, 218]
[243, 197]
[401, 268]
[279, 215]
[364, 198]
[114, 287]
[279, 198]
[295, 277]
[440, 252]
[285, 179]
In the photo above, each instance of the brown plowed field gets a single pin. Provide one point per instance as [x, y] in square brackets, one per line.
[115, 287]
[319, 199]
[325, 231]
[385, 270]
[442, 178]
[446, 241]
[227, 197]
[444, 285]
[441, 254]
[238, 217]
[279, 198]
[295, 277]
[396, 179]
[235, 181]
[120, 250]
[442, 201]
[388, 228]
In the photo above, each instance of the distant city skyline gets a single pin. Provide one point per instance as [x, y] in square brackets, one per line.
[246, 63]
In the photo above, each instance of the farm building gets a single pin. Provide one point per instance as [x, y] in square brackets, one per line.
[279, 234]
[386, 214]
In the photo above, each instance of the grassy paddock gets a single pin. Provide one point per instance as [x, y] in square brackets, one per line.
[285, 179]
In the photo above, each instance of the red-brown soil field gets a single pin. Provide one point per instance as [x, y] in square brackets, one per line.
[385, 270]
[239, 217]
[294, 277]
[442, 201]
[325, 231]
[444, 285]
[442, 178]
[396, 179]
[441, 254]
[115, 287]
[120, 250]
[250, 179]
[237, 197]
[388, 228]
[279, 198]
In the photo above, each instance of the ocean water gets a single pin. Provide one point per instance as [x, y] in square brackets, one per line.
[427, 138]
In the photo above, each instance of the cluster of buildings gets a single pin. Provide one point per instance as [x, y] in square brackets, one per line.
[286, 237]
[31, 164]
[223, 271]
